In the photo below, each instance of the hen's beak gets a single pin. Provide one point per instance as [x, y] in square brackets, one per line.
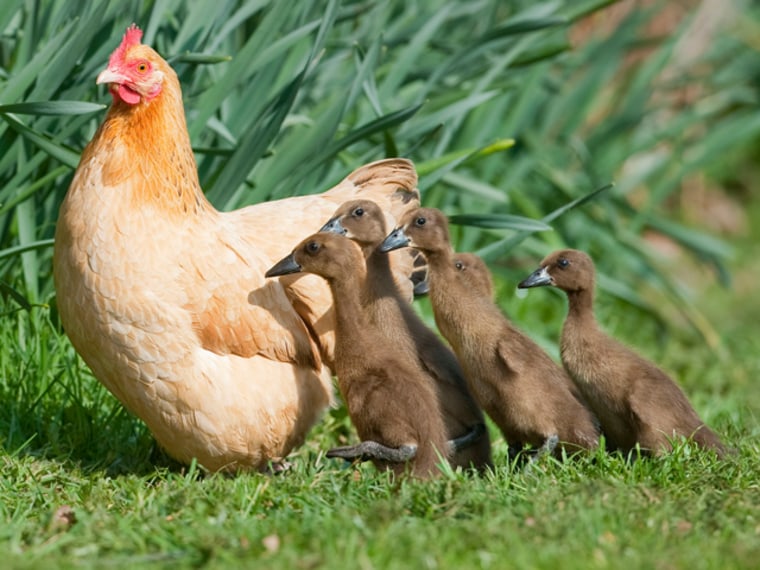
[109, 76]
[538, 278]
[334, 227]
[395, 240]
[284, 267]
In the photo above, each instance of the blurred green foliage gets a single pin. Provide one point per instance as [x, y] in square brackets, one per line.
[503, 116]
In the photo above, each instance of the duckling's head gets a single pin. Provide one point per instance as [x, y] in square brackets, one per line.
[426, 229]
[328, 255]
[474, 272]
[360, 220]
[568, 269]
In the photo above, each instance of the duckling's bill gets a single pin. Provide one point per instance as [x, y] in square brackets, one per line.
[539, 278]
[285, 266]
[334, 226]
[395, 240]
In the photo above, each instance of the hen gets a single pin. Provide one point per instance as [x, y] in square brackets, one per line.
[164, 297]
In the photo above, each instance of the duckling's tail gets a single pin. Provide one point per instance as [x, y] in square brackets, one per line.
[708, 439]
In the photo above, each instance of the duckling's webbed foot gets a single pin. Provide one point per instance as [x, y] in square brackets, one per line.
[470, 438]
[372, 450]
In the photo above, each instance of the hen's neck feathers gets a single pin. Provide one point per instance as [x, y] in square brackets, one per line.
[148, 154]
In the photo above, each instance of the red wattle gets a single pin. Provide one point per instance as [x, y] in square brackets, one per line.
[128, 95]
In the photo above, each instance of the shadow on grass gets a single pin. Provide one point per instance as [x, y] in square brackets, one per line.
[52, 408]
[92, 434]
[124, 447]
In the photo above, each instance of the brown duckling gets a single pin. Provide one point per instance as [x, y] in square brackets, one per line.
[475, 273]
[393, 407]
[636, 402]
[404, 332]
[521, 388]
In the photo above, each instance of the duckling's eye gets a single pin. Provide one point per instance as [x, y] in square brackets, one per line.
[359, 212]
[459, 265]
[312, 247]
[420, 221]
[142, 67]
[562, 263]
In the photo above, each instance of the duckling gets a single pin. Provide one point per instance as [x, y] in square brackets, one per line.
[393, 407]
[404, 332]
[475, 273]
[636, 402]
[519, 386]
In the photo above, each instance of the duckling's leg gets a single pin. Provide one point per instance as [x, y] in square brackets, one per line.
[277, 467]
[547, 448]
[470, 438]
[513, 451]
[369, 450]
[419, 276]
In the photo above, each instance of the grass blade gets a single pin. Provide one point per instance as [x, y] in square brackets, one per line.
[31, 246]
[45, 143]
[500, 221]
[492, 251]
[52, 108]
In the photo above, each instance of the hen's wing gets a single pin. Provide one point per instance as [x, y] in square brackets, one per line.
[236, 310]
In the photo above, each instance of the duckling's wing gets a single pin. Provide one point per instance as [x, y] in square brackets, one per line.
[660, 408]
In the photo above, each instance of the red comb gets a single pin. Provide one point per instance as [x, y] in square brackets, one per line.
[132, 37]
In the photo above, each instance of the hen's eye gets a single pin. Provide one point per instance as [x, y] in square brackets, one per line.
[312, 247]
[142, 67]
[359, 212]
[420, 221]
[459, 265]
[562, 263]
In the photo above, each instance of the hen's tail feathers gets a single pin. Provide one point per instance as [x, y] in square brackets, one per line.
[391, 182]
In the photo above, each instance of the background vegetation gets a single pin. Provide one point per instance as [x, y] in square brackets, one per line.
[512, 111]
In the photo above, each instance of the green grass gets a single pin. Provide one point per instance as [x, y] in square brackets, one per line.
[685, 510]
